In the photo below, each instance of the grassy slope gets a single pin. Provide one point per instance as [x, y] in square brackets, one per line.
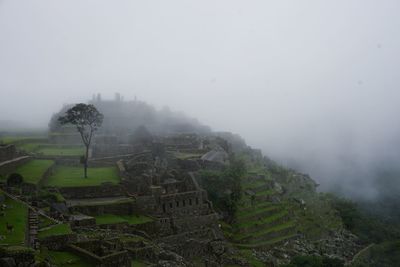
[131, 219]
[58, 229]
[33, 170]
[65, 176]
[16, 215]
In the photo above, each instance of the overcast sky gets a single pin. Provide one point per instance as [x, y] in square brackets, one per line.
[313, 81]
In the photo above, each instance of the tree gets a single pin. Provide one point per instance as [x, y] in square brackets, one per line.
[87, 120]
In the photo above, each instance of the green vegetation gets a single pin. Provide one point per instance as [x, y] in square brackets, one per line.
[224, 187]
[16, 215]
[33, 170]
[386, 254]
[58, 229]
[139, 264]
[66, 176]
[131, 219]
[368, 228]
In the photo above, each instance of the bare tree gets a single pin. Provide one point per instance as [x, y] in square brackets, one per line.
[87, 120]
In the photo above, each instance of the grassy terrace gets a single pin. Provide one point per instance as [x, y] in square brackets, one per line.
[130, 219]
[53, 150]
[245, 213]
[33, 170]
[181, 155]
[266, 220]
[66, 176]
[21, 139]
[265, 231]
[265, 243]
[15, 214]
[58, 229]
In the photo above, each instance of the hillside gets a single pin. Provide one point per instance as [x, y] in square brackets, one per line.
[164, 198]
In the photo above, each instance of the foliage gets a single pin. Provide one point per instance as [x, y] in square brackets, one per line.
[87, 120]
[224, 188]
[367, 227]
[386, 254]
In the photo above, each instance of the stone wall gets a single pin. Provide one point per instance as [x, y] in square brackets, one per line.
[57, 242]
[192, 202]
[123, 208]
[104, 150]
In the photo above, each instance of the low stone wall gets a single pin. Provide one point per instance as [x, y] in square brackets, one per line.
[120, 258]
[102, 191]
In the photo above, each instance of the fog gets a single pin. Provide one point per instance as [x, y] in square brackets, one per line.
[314, 84]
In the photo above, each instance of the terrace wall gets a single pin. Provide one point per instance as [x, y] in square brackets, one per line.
[7, 152]
[124, 208]
[57, 242]
[119, 258]
[102, 191]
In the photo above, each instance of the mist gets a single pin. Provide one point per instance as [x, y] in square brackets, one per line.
[314, 84]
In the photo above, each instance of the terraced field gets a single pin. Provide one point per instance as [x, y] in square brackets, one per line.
[32, 171]
[259, 221]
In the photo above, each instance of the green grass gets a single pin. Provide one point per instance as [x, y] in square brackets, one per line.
[33, 170]
[58, 229]
[265, 243]
[61, 150]
[66, 176]
[136, 263]
[244, 214]
[131, 219]
[15, 214]
[28, 147]
[21, 139]
[67, 259]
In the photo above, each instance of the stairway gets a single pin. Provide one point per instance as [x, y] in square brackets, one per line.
[33, 225]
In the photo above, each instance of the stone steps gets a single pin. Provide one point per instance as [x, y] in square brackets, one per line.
[258, 214]
[33, 226]
[266, 244]
[267, 222]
